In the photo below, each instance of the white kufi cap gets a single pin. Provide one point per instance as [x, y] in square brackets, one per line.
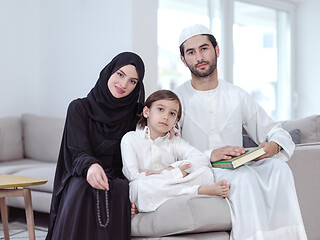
[193, 31]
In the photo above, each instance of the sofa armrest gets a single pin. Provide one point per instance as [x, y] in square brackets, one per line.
[305, 165]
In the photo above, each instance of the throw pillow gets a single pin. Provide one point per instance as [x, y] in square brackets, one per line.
[295, 135]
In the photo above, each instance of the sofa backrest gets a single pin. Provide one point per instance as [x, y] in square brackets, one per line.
[11, 146]
[42, 137]
[308, 126]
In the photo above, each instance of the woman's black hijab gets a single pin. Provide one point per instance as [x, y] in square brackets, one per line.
[117, 115]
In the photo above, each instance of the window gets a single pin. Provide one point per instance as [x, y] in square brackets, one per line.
[173, 16]
[256, 53]
[254, 40]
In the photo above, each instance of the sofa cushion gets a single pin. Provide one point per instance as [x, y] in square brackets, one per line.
[44, 170]
[13, 166]
[295, 135]
[11, 146]
[309, 127]
[184, 214]
[194, 236]
[42, 137]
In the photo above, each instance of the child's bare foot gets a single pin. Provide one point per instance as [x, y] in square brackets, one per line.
[220, 188]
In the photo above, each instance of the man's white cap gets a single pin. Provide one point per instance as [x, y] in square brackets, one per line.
[193, 31]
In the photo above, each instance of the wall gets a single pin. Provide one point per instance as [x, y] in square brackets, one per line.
[307, 72]
[78, 38]
[145, 39]
[19, 56]
[53, 51]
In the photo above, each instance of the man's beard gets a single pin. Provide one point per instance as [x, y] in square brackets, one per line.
[212, 67]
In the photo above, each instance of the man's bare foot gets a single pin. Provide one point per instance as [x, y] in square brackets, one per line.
[220, 188]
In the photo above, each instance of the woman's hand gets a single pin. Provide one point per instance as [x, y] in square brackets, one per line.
[226, 152]
[97, 178]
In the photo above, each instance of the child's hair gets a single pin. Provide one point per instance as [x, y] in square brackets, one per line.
[156, 96]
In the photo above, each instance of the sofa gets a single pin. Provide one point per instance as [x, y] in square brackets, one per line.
[29, 146]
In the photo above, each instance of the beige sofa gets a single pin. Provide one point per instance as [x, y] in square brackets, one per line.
[29, 146]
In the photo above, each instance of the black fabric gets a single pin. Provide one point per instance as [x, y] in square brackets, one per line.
[115, 113]
[95, 138]
[83, 213]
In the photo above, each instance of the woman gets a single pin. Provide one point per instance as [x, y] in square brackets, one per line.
[90, 196]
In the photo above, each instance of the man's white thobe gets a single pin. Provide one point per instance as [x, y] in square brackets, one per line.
[263, 200]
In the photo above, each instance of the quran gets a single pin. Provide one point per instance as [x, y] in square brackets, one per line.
[238, 161]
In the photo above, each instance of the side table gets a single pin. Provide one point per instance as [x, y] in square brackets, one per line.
[17, 186]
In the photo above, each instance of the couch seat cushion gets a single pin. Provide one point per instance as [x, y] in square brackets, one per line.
[184, 214]
[13, 166]
[42, 170]
[194, 236]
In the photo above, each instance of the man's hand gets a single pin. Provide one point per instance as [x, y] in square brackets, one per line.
[97, 178]
[173, 133]
[183, 168]
[226, 153]
[271, 148]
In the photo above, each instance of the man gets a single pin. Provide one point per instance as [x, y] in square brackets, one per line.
[262, 199]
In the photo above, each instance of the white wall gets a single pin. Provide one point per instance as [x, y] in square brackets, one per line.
[53, 51]
[77, 39]
[19, 56]
[307, 58]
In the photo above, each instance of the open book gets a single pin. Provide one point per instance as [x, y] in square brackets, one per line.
[235, 162]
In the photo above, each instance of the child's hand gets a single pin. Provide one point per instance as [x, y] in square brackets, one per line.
[134, 209]
[150, 172]
[183, 168]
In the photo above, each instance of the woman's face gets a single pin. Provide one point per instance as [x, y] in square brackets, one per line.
[123, 81]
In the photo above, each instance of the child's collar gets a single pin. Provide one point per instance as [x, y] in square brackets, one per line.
[147, 135]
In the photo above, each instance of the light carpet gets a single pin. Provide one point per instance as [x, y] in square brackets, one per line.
[19, 231]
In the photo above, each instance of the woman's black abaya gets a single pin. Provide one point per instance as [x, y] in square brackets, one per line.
[93, 130]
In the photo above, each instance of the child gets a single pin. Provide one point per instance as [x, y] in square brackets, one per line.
[160, 168]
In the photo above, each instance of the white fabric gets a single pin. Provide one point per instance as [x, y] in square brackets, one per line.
[140, 152]
[262, 199]
[193, 31]
[213, 119]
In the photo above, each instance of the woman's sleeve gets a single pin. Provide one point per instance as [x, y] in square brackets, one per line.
[77, 139]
